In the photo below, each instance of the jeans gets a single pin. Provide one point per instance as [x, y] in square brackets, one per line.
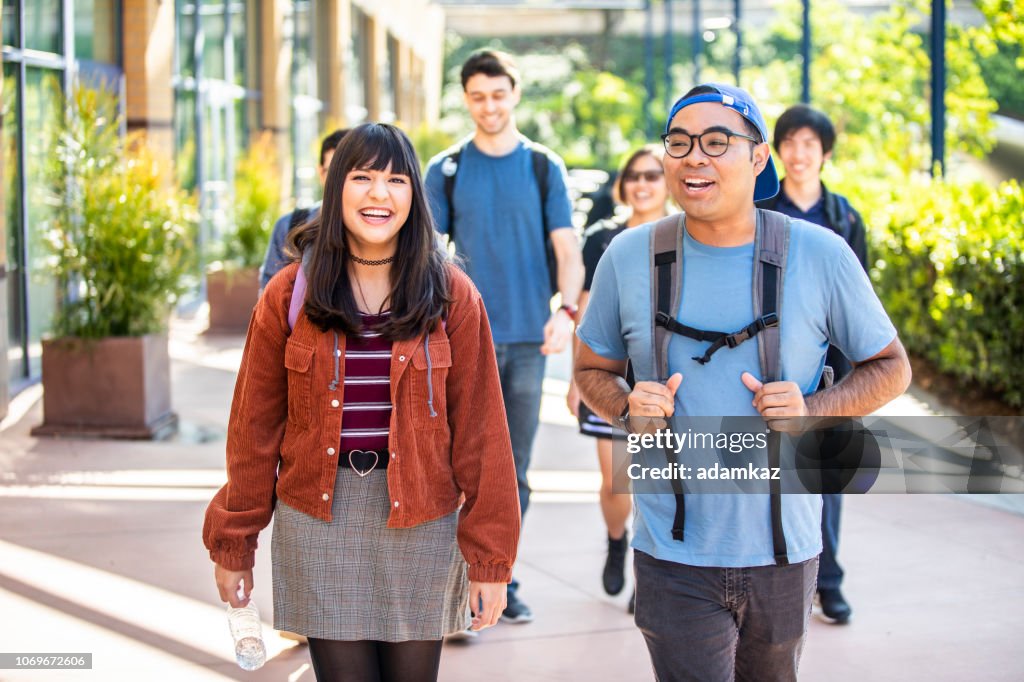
[521, 367]
[706, 624]
[830, 573]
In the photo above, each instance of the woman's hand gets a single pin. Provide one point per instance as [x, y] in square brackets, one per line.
[486, 601]
[228, 583]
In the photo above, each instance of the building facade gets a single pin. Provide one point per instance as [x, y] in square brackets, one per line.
[200, 78]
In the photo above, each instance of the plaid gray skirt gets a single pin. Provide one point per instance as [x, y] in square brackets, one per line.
[355, 579]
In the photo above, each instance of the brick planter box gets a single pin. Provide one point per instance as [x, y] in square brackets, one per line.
[232, 296]
[119, 387]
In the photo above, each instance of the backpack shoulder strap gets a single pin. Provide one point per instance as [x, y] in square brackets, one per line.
[666, 254]
[540, 174]
[771, 247]
[298, 293]
[771, 244]
[449, 169]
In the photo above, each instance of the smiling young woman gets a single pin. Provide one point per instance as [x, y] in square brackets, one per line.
[365, 428]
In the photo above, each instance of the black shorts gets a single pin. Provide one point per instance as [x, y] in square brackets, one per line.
[592, 425]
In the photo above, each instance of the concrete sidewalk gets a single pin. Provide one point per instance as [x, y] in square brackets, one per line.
[100, 552]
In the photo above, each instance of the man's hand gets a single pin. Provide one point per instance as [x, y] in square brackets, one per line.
[780, 403]
[228, 583]
[557, 332]
[653, 400]
[486, 601]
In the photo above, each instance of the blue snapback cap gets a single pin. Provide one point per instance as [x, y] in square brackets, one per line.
[740, 101]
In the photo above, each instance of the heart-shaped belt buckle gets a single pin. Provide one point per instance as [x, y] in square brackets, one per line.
[363, 473]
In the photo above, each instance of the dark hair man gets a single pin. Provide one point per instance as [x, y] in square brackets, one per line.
[725, 591]
[501, 199]
[276, 258]
[804, 138]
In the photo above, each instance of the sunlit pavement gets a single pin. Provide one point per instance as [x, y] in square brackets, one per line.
[100, 552]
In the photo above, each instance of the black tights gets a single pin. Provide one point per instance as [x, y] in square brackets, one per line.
[374, 661]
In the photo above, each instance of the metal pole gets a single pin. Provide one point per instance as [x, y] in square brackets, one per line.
[698, 42]
[805, 53]
[737, 60]
[938, 45]
[669, 56]
[649, 68]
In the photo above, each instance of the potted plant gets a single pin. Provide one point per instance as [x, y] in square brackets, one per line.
[121, 238]
[232, 280]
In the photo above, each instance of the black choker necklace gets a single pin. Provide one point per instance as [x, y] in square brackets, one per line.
[365, 261]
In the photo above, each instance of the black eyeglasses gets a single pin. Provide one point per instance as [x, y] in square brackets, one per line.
[648, 176]
[712, 142]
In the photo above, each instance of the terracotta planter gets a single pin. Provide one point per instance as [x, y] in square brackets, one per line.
[232, 295]
[119, 387]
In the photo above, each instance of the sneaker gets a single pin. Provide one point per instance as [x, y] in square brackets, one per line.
[614, 575]
[631, 609]
[462, 636]
[833, 606]
[516, 611]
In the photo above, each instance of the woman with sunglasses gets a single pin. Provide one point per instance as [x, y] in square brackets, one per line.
[641, 188]
[370, 424]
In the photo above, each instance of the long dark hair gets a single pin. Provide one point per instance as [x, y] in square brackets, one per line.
[420, 290]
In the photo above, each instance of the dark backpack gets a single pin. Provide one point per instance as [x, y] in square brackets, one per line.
[299, 217]
[450, 167]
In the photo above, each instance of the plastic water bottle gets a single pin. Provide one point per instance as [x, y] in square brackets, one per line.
[247, 631]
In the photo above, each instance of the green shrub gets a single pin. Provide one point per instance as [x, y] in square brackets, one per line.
[121, 234]
[257, 205]
[950, 271]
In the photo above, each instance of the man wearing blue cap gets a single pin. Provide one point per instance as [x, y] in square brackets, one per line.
[725, 581]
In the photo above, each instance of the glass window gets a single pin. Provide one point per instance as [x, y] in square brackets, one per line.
[355, 90]
[11, 219]
[303, 55]
[306, 105]
[10, 20]
[387, 83]
[97, 30]
[185, 30]
[42, 25]
[185, 138]
[246, 33]
[42, 98]
[212, 20]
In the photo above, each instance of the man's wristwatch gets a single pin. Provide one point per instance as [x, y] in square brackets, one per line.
[570, 309]
[624, 423]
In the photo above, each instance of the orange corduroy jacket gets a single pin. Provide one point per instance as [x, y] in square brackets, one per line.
[285, 424]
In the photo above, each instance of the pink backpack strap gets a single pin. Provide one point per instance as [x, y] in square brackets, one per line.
[298, 297]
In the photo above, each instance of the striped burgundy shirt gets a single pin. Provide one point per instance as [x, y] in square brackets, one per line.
[366, 413]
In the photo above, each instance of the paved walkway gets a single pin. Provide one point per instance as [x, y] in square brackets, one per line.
[100, 552]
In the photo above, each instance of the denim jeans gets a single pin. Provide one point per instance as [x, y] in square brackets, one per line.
[830, 573]
[521, 367]
[721, 624]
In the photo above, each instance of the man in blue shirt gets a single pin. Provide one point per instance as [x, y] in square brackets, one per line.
[803, 139]
[719, 603]
[275, 259]
[497, 218]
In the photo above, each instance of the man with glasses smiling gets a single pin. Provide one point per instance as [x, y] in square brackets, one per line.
[725, 581]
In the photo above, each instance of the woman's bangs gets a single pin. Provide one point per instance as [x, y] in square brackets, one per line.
[384, 148]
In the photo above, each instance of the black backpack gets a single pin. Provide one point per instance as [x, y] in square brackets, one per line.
[450, 167]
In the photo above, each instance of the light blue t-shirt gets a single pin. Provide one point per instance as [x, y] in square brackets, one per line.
[826, 297]
[499, 233]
